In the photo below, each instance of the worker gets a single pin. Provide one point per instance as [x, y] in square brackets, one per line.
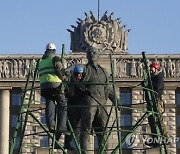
[78, 93]
[51, 79]
[157, 79]
[74, 95]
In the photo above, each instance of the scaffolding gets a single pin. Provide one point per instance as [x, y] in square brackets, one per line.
[26, 112]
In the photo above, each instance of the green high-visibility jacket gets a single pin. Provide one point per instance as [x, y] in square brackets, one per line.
[47, 71]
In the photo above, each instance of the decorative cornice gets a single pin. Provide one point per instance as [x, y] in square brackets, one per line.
[126, 67]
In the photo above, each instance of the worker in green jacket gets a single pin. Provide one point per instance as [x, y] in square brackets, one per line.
[51, 77]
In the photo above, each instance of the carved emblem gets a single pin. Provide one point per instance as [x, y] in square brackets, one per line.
[105, 34]
[99, 35]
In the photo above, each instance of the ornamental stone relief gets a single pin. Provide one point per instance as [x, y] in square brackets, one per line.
[16, 68]
[72, 62]
[105, 34]
[133, 68]
[125, 67]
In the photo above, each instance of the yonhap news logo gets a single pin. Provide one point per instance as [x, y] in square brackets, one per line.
[132, 140]
[160, 140]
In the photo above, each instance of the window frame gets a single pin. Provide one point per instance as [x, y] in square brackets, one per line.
[125, 93]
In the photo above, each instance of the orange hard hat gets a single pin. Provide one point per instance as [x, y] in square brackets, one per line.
[155, 65]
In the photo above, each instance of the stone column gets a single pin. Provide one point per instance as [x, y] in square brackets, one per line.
[137, 113]
[170, 117]
[4, 121]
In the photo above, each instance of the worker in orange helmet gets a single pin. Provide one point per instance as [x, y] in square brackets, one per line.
[157, 79]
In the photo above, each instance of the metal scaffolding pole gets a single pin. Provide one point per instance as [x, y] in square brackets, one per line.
[152, 102]
[19, 120]
[150, 99]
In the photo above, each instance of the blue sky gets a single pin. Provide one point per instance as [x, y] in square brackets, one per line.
[26, 26]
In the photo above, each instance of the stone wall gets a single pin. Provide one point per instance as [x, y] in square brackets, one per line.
[169, 118]
[125, 66]
[128, 72]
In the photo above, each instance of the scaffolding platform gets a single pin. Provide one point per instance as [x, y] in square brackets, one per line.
[115, 130]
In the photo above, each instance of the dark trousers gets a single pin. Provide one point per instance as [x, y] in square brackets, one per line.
[55, 103]
[92, 117]
[152, 125]
[152, 122]
[74, 117]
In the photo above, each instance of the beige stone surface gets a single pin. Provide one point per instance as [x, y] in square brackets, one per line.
[153, 151]
[4, 121]
[171, 84]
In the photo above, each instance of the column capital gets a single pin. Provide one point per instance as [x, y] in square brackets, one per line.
[5, 88]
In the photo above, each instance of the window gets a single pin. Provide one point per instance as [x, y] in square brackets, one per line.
[178, 120]
[126, 120]
[16, 99]
[178, 143]
[96, 145]
[14, 119]
[125, 96]
[178, 98]
[43, 119]
[44, 141]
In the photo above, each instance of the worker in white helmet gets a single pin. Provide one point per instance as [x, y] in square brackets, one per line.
[51, 78]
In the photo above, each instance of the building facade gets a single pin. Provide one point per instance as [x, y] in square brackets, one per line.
[110, 37]
[128, 73]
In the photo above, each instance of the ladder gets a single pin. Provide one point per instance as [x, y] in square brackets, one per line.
[152, 102]
[26, 112]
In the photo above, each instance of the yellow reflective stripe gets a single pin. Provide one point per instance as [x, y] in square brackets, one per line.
[47, 71]
[49, 78]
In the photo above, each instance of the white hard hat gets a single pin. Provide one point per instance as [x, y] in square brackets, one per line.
[50, 46]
